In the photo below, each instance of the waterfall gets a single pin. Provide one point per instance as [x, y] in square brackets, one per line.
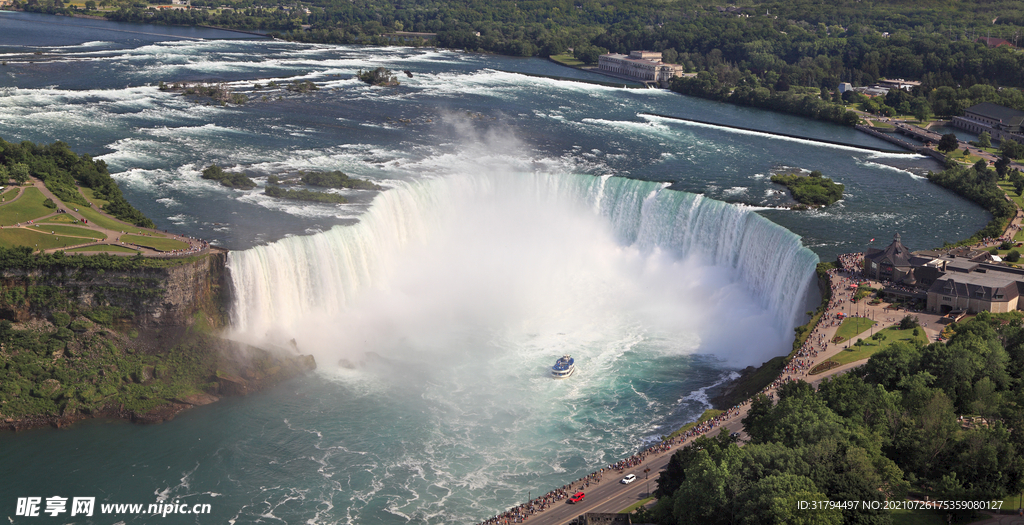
[283, 282]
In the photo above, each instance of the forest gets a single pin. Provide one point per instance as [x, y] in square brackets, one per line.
[942, 420]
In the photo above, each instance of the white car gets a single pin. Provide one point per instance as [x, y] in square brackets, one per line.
[628, 479]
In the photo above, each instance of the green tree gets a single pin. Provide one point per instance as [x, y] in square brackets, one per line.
[985, 139]
[922, 110]
[775, 500]
[1011, 149]
[588, 54]
[1002, 166]
[948, 143]
[19, 172]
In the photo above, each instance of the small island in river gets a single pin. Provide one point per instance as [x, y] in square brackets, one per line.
[811, 190]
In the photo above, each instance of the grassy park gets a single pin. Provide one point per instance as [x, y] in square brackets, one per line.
[28, 207]
[105, 221]
[851, 327]
[11, 237]
[881, 340]
[54, 231]
[70, 231]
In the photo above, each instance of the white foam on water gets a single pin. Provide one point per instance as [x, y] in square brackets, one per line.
[886, 167]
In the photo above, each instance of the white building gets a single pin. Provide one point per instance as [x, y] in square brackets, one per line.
[645, 66]
[999, 121]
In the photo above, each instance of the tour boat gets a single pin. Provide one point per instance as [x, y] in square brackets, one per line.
[564, 367]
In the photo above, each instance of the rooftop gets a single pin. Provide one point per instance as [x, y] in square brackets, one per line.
[1005, 115]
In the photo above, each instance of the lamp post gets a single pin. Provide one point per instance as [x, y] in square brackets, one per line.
[647, 480]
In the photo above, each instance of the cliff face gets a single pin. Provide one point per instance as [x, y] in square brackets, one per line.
[145, 297]
[139, 342]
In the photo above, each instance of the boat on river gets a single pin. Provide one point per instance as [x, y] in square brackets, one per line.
[564, 367]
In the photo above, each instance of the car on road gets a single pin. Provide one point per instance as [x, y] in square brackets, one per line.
[577, 497]
[628, 479]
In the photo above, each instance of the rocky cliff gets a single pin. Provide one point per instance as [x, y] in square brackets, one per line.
[136, 339]
[147, 297]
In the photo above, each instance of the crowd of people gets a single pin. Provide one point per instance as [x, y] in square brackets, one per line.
[851, 263]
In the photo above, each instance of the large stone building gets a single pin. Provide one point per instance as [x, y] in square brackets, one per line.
[956, 280]
[645, 66]
[999, 121]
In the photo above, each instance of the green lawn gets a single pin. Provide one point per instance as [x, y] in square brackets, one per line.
[156, 243]
[103, 248]
[970, 160]
[105, 221]
[60, 218]
[91, 197]
[870, 346]
[852, 326]
[10, 237]
[568, 60]
[69, 230]
[28, 207]
[9, 193]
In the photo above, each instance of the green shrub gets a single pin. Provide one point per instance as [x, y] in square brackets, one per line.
[80, 325]
[60, 319]
[231, 180]
[1013, 256]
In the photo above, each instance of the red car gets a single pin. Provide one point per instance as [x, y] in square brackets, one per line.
[577, 497]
